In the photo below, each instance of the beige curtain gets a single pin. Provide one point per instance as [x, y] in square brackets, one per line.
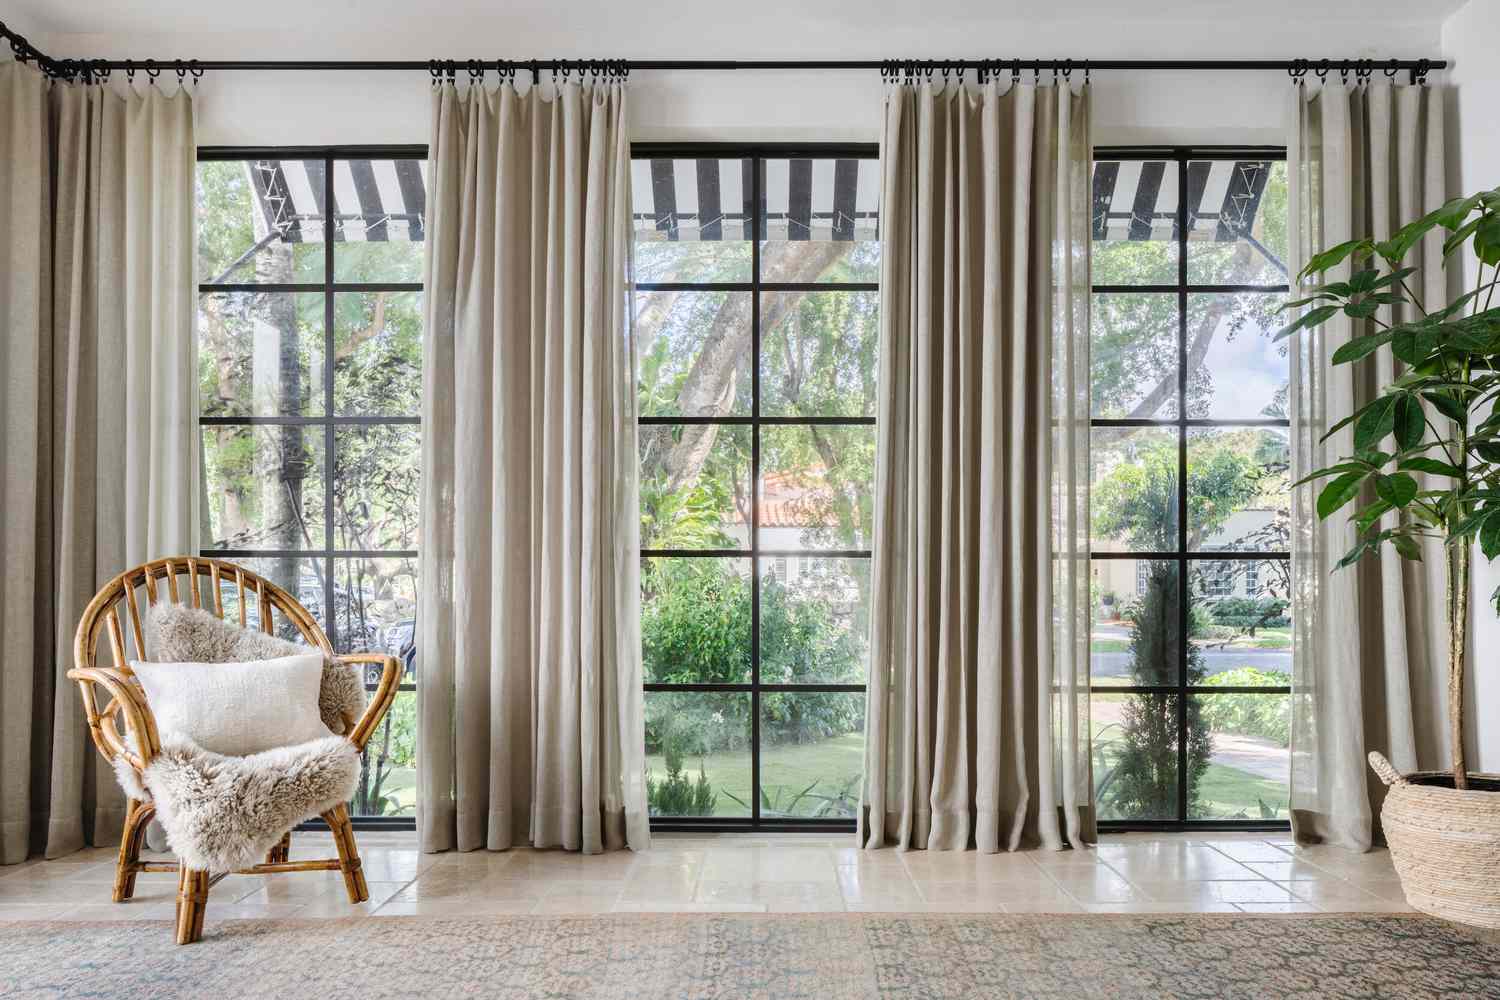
[1370, 641]
[99, 380]
[530, 692]
[978, 697]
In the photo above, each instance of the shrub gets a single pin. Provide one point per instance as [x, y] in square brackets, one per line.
[1251, 612]
[1263, 716]
[677, 795]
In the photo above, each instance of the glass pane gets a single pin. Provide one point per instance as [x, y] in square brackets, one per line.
[1238, 489]
[695, 621]
[1133, 356]
[1134, 497]
[814, 620]
[817, 487]
[1238, 746]
[818, 353]
[380, 206]
[698, 753]
[819, 219]
[1242, 620]
[300, 576]
[812, 753]
[1240, 372]
[1135, 755]
[377, 486]
[264, 487]
[377, 342]
[1237, 213]
[692, 219]
[388, 767]
[375, 607]
[693, 351]
[695, 487]
[260, 354]
[1137, 625]
[260, 221]
[1135, 222]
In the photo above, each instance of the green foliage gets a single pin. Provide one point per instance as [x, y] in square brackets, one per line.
[1263, 716]
[393, 747]
[678, 795]
[1250, 612]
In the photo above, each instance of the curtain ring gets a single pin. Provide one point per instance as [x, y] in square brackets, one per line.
[193, 68]
[130, 70]
[1015, 71]
[1393, 68]
[1322, 70]
[1036, 73]
[152, 70]
[1067, 70]
[476, 70]
[181, 70]
[1085, 72]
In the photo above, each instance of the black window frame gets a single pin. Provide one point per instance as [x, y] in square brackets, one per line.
[329, 421]
[1181, 557]
[758, 153]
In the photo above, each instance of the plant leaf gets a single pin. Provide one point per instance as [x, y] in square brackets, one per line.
[1357, 348]
[1431, 466]
[1334, 256]
[1313, 317]
[1377, 420]
[1447, 406]
[1338, 493]
[1398, 489]
[1407, 547]
[1409, 423]
[1489, 535]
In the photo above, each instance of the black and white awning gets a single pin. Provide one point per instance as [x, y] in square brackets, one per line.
[374, 200]
[1138, 199]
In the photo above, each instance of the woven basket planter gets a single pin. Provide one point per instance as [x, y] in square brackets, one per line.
[1445, 843]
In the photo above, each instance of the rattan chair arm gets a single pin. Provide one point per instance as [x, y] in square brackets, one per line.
[385, 693]
[129, 702]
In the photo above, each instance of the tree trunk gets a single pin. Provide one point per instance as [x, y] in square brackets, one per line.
[1458, 630]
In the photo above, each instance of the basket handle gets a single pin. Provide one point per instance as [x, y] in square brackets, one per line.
[1383, 768]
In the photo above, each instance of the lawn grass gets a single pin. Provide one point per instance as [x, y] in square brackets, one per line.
[825, 767]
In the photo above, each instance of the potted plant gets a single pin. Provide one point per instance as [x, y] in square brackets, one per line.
[1426, 464]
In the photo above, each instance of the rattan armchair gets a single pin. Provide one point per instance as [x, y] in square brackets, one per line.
[124, 731]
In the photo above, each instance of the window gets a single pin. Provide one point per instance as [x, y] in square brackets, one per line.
[310, 354]
[1191, 649]
[757, 328]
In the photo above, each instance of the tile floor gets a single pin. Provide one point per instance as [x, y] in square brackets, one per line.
[1130, 873]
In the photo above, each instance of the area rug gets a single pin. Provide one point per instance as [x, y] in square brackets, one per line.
[822, 956]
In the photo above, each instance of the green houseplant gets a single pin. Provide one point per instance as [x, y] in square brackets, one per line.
[1425, 465]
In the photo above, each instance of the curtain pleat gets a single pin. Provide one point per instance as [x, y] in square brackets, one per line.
[978, 697]
[530, 692]
[1370, 664]
[100, 383]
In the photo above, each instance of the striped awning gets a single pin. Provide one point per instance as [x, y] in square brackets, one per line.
[373, 200]
[712, 199]
[1138, 199]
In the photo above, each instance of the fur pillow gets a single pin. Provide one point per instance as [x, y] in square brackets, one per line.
[176, 633]
[236, 708]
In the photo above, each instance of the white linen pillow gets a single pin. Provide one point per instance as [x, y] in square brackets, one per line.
[236, 709]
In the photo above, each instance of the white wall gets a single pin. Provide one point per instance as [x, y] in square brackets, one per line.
[1471, 41]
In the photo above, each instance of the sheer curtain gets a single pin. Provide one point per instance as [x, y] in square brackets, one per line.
[1370, 640]
[98, 392]
[977, 729]
[530, 711]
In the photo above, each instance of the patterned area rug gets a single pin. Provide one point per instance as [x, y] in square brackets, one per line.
[776, 956]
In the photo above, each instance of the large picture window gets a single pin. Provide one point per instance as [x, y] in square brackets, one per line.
[1191, 646]
[310, 352]
[757, 326]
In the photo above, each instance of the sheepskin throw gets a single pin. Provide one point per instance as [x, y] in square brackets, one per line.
[176, 633]
[223, 813]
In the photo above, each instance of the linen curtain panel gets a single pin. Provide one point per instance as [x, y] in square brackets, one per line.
[98, 382]
[1370, 640]
[977, 716]
[530, 697]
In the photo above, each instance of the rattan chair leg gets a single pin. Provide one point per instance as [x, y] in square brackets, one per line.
[337, 819]
[192, 900]
[137, 818]
[282, 852]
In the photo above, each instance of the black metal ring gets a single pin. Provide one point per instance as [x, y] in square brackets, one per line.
[152, 70]
[1067, 69]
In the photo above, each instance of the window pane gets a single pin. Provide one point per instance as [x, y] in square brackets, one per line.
[388, 767]
[695, 487]
[1240, 372]
[1135, 222]
[1134, 489]
[1238, 489]
[1237, 213]
[814, 620]
[377, 341]
[1239, 744]
[264, 486]
[819, 219]
[692, 219]
[1135, 755]
[1133, 356]
[375, 607]
[695, 621]
[818, 353]
[693, 351]
[817, 487]
[698, 753]
[300, 576]
[260, 354]
[1137, 623]
[812, 753]
[1242, 620]
[377, 486]
[381, 206]
[260, 221]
